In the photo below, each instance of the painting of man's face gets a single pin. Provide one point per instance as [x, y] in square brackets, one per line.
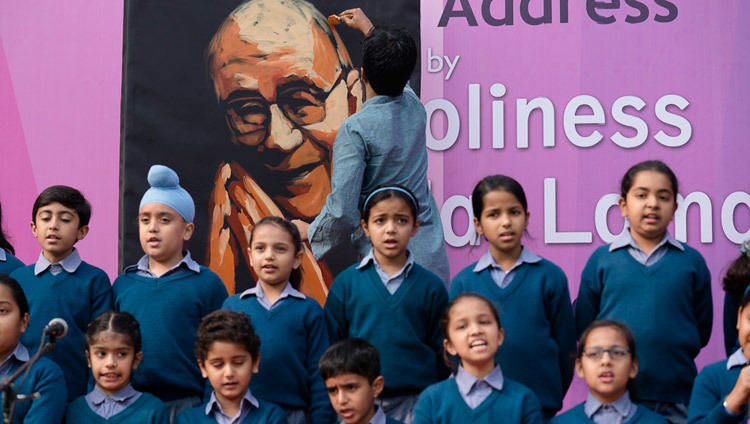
[281, 82]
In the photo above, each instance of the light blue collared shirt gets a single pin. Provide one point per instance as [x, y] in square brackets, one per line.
[186, 264]
[3, 257]
[257, 291]
[616, 412]
[69, 264]
[473, 390]
[214, 409]
[19, 355]
[107, 406]
[625, 239]
[499, 276]
[392, 282]
[737, 359]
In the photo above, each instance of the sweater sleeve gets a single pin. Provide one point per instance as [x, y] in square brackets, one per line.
[589, 295]
[340, 216]
[101, 294]
[53, 395]
[423, 408]
[706, 403]
[335, 311]
[562, 324]
[216, 294]
[317, 342]
[438, 302]
[702, 302]
[532, 412]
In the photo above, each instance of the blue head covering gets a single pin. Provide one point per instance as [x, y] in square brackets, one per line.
[165, 189]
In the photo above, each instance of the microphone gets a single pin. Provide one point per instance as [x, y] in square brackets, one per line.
[57, 327]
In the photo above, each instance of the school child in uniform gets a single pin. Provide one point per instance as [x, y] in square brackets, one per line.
[44, 377]
[478, 392]
[351, 370]
[656, 285]
[290, 324]
[736, 281]
[60, 284]
[722, 390]
[607, 361]
[8, 262]
[382, 143]
[168, 293]
[531, 293]
[392, 302]
[113, 349]
[228, 352]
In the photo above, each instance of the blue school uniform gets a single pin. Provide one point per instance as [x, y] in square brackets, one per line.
[293, 337]
[536, 314]
[145, 409]
[45, 378]
[443, 403]
[169, 309]
[711, 387]
[404, 326]
[8, 262]
[585, 414]
[667, 305]
[364, 157]
[253, 411]
[74, 291]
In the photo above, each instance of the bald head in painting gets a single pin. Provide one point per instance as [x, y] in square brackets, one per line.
[285, 83]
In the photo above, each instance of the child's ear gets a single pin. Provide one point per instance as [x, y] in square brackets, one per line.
[250, 255]
[297, 259]
[33, 228]
[362, 222]
[189, 228]
[377, 386]
[88, 357]
[478, 226]
[24, 322]
[501, 337]
[633, 368]
[448, 346]
[416, 227]
[579, 368]
[256, 364]
[82, 231]
[137, 358]
[623, 207]
[526, 224]
[202, 366]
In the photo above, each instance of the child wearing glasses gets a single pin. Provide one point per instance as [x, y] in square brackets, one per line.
[382, 143]
[606, 360]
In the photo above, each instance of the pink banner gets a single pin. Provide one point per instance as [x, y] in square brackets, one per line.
[566, 96]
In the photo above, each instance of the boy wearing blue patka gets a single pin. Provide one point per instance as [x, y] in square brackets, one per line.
[168, 293]
[60, 284]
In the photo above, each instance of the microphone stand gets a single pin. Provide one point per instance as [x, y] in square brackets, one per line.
[6, 384]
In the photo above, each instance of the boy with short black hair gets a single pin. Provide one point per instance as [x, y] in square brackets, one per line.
[351, 371]
[366, 156]
[228, 353]
[168, 293]
[60, 284]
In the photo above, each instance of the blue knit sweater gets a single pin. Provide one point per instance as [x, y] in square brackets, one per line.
[10, 264]
[576, 416]
[404, 326]
[667, 305]
[537, 317]
[293, 336]
[77, 298]
[169, 310]
[146, 409]
[47, 379]
[712, 385]
[265, 413]
[442, 403]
